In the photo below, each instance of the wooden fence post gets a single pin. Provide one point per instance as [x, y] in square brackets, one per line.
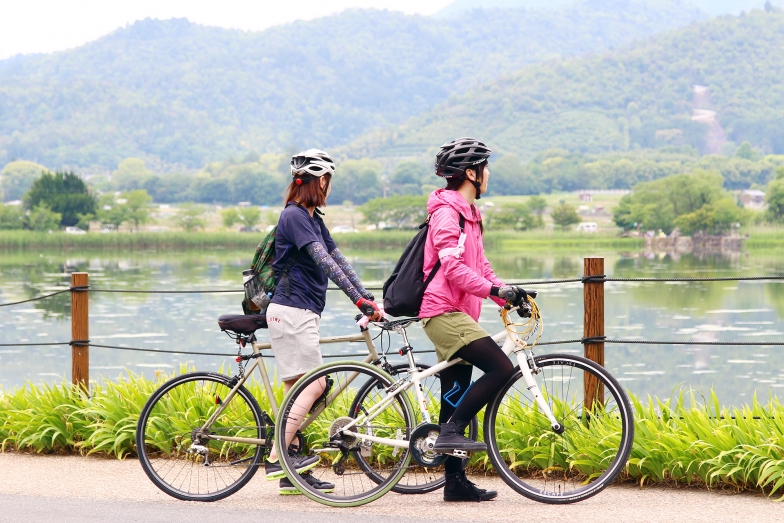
[593, 326]
[80, 332]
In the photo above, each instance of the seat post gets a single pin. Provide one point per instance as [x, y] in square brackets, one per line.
[265, 379]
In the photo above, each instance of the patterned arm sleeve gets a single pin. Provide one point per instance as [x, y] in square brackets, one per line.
[348, 270]
[331, 269]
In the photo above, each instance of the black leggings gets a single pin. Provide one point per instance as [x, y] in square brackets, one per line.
[498, 368]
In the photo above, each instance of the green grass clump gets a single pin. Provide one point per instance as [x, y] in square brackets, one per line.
[22, 240]
[676, 441]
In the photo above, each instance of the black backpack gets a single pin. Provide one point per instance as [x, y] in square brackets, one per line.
[405, 288]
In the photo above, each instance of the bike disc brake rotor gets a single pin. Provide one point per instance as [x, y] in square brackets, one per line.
[423, 440]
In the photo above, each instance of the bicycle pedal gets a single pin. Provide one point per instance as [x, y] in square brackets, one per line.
[458, 453]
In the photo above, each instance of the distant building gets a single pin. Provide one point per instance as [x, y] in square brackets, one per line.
[752, 199]
[586, 197]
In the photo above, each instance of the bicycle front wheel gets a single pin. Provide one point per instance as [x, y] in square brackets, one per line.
[375, 437]
[598, 431]
[180, 456]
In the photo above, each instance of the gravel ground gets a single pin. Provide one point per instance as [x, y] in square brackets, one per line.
[97, 482]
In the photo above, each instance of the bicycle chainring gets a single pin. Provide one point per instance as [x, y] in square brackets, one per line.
[423, 439]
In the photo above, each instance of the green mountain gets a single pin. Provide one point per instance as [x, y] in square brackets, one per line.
[707, 86]
[714, 7]
[462, 6]
[179, 95]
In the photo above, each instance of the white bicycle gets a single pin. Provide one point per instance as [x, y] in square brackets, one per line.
[559, 431]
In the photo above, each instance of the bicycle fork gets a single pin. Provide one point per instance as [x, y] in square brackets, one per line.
[525, 362]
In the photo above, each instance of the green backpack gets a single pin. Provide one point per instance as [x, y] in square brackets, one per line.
[263, 281]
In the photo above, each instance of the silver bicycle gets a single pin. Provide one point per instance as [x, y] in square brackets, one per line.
[202, 435]
[559, 431]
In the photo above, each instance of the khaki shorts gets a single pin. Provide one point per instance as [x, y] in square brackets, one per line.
[294, 336]
[452, 331]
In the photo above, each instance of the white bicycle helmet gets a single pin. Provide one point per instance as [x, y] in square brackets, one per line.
[313, 162]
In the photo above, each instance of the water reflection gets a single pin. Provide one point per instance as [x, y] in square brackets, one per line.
[700, 312]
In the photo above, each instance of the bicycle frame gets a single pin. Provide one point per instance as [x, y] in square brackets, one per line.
[512, 345]
[372, 357]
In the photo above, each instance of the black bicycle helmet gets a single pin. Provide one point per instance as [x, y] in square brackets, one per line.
[458, 155]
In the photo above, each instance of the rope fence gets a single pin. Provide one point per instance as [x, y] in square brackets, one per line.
[583, 279]
[594, 338]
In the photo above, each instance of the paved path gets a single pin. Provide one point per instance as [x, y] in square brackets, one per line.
[70, 488]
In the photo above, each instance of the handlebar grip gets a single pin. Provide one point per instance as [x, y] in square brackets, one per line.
[509, 295]
[532, 294]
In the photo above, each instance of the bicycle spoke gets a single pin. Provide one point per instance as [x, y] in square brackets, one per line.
[556, 467]
[205, 468]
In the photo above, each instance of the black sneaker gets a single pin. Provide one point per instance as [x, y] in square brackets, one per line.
[301, 464]
[451, 438]
[459, 488]
[286, 488]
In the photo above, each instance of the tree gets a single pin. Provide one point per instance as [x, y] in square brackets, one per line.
[131, 174]
[62, 193]
[189, 217]
[536, 204]
[712, 218]
[693, 202]
[229, 216]
[357, 181]
[397, 211]
[251, 183]
[247, 217]
[407, 178]
[137, 202]
[746, 152]
[11, 217]
[775, 198]
[110, 213]
[509, 176]
[565, 215]
[516, 216]
[16, 178]
[41, 218]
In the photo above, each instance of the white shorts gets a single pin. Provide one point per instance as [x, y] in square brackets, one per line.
[294, 336]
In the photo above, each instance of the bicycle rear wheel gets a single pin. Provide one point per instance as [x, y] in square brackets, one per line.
[417, 479]
[206, 469]
[598, 431]
[380, 416]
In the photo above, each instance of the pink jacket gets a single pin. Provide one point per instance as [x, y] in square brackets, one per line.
[463, 279]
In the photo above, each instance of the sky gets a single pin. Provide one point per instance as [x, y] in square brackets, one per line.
[45, 26]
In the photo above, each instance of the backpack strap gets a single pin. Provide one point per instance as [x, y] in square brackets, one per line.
[284, 274]
[459, 247]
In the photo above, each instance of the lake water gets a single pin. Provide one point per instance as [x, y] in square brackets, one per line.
[705, 311]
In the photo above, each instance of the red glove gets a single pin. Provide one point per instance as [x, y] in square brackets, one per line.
[368, 308]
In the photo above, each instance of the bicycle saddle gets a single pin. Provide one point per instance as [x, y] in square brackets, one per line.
[392, 325]
[242, 323]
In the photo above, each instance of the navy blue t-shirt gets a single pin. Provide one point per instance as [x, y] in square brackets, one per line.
[307, 282]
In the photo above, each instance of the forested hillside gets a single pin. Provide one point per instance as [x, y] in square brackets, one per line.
[641, 96]
[713, 7]
[180, 95]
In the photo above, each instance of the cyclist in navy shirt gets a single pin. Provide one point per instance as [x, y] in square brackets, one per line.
[306, 258]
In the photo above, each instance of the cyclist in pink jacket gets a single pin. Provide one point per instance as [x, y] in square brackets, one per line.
[452, 303]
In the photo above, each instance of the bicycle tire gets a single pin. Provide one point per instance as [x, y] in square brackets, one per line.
[435, 479]
[590, 452]
[352, 487]
[165, 429]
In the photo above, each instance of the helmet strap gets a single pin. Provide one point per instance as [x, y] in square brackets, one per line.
[477, 182]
